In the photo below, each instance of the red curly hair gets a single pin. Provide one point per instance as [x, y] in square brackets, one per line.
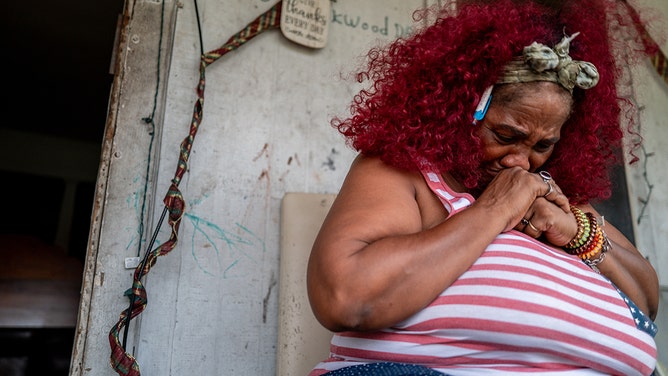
[425, 87]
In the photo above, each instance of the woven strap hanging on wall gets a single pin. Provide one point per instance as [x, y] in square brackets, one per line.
[121, 361]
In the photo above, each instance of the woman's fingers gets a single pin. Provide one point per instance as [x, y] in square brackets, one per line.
[553, 193]
[544, 218]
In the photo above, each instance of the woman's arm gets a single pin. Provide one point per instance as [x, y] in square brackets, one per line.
[625, 266]
[384, 252]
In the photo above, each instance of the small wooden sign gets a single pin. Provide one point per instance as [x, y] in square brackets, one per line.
[306, 22]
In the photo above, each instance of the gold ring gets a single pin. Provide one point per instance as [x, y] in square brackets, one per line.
[532, 226]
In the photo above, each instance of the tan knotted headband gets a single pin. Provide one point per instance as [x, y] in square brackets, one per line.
[542, 63]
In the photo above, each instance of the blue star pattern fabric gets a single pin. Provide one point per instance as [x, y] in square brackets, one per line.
[643, 322]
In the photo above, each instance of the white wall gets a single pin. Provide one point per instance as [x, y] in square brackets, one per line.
[212, 302]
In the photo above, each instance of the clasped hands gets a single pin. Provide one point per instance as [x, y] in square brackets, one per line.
[549, 216]
[537, 206]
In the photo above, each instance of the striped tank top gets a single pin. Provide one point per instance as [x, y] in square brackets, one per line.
[522, 308]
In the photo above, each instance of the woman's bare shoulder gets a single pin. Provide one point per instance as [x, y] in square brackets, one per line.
[374, 169]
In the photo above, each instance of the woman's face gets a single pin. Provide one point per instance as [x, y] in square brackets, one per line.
[521, 127]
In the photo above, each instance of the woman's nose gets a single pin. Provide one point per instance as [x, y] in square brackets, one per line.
[516, 159]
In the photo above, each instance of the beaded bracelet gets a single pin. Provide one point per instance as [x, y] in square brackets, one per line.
[590, 243]
[585, 238]
[594, 240]
[584, 229]
[594, 246]
[593, 260]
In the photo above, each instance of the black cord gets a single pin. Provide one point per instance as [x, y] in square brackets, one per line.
[142, 266]
[199, 30]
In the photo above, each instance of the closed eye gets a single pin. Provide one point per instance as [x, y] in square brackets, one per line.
[504, 139]
[543, 147]
[507, 135]
[507, 139]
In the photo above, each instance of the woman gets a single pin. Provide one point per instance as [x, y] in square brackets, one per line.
[463, 241]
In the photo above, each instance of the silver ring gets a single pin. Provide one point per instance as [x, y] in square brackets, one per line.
[549, 189]
[546, 176]
[524, 222]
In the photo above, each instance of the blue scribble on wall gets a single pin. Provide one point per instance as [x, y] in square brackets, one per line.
[133, 202]
[232, 249]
